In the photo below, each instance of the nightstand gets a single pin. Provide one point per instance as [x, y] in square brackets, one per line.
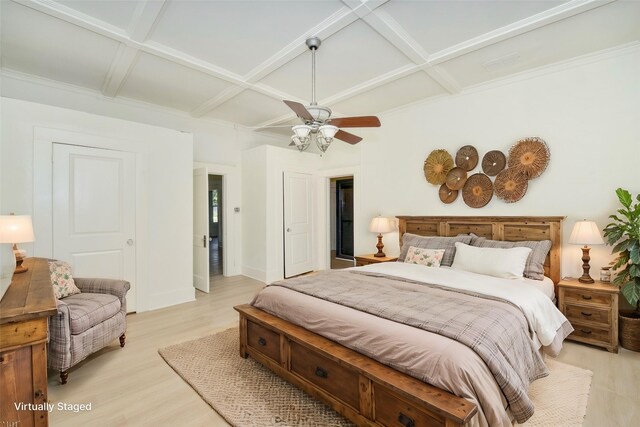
[370, 259]
[592, 310]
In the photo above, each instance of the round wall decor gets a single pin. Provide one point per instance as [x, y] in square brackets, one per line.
[529, 155]
[437, 165]
[511, 185]
[456, 178]
[493, 162]
[467, 158]
[446, 194]
[477, 191]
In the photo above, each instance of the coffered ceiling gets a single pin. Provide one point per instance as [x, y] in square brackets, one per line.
[236, 60]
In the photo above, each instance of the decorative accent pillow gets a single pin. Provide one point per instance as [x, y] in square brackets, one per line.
[535, 263]
[433, 242]
[428, 257]
[497, 262]
[62, 280]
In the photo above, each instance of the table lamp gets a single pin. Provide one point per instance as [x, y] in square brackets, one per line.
[585, 233]
[380, 225]
[16, 229]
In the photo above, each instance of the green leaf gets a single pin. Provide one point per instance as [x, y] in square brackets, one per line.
[615, 217]
[631, 292]
[634, 270]
[627, 214]
[622, 246]
[614, 235]
[634, 254]
[621, 278]
[624, 196]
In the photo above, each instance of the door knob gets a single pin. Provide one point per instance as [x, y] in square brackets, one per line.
[130, 242]
[288, 230]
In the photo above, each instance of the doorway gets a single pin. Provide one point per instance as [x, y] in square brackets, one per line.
[216, 239]
[342, 247]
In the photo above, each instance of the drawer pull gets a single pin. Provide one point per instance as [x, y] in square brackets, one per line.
[406, 421]
[586, 314]
[262, 341]
[321, 372]
[585, 331]
[586, 296]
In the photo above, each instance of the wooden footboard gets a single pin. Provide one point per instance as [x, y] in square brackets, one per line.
[363, 390]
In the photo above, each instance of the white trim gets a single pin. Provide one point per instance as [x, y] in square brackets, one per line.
[549, 16]
[43, 140]
[254, 273]
[232, 221]
[324, 224]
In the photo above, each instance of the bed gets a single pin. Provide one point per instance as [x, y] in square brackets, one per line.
[364, 366]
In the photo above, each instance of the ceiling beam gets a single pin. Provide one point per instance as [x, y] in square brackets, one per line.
[144, 18]
[326, 28]
[555, 14]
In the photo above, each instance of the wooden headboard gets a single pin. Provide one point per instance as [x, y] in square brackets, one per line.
[507, 228]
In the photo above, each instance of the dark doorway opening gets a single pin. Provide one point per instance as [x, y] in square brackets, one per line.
[215, 226]
[344, 218]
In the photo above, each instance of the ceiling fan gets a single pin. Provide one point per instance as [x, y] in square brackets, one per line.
[318, 123]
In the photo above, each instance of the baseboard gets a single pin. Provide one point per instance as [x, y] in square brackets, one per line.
[167, 299]
[254, 273]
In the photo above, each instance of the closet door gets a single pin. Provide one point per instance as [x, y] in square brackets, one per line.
[94, 212]
[298, 236]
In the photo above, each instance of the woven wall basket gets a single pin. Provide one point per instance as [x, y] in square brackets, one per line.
[494, 162]
[437, 165]
[511, 185]
[477, 191]
[447, 195]
[530, 155]
[467, 158]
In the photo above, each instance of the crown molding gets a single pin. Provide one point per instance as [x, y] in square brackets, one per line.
[37, 81]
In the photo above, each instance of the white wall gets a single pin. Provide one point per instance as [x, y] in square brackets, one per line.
[588, 113]
[164, 261]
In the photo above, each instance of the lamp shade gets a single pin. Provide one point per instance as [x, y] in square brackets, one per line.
[328, 131]
[381, 225]
[16, 229]
[586, 233]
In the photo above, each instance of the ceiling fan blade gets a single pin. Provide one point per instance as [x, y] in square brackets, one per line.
[299, 109]
[356, 122]
[347, 137]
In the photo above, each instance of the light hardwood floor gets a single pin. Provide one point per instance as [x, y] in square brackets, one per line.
[133, 386]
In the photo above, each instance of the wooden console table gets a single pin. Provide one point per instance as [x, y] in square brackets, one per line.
[24, 332]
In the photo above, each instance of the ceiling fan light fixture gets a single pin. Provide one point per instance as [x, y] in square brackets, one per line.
[300, 143]
[322, 142]
[328, 131]
[301, 131]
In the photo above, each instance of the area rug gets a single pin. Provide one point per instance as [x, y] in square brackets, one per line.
[247, 394]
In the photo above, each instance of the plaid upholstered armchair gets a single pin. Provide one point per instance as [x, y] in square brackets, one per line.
[87, 322]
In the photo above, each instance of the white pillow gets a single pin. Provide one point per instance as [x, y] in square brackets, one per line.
[497, 262]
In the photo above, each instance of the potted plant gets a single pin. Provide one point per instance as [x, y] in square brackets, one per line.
[624, 232]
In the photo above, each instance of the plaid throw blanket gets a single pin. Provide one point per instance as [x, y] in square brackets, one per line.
[495, 329]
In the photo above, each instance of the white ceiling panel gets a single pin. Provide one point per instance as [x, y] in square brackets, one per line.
[35, 43]
[440, 24]
[391, 95]
[250, 108]
[585, 33]
[118, 13]
[162, 82]
[348, 58]
[238, 35]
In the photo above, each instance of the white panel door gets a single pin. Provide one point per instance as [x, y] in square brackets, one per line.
[201, 229]
[298, 236]
[94, 213]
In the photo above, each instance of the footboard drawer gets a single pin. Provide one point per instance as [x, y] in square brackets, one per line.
[263, 340]
[393, 411]
[338, 380]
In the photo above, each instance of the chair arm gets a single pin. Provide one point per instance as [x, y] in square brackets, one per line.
[114, 287]
[59, 355]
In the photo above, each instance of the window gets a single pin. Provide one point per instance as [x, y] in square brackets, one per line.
[214, 206]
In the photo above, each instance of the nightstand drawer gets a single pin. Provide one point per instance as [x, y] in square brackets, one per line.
[587, 313]
[587, 297]
[591, 334]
